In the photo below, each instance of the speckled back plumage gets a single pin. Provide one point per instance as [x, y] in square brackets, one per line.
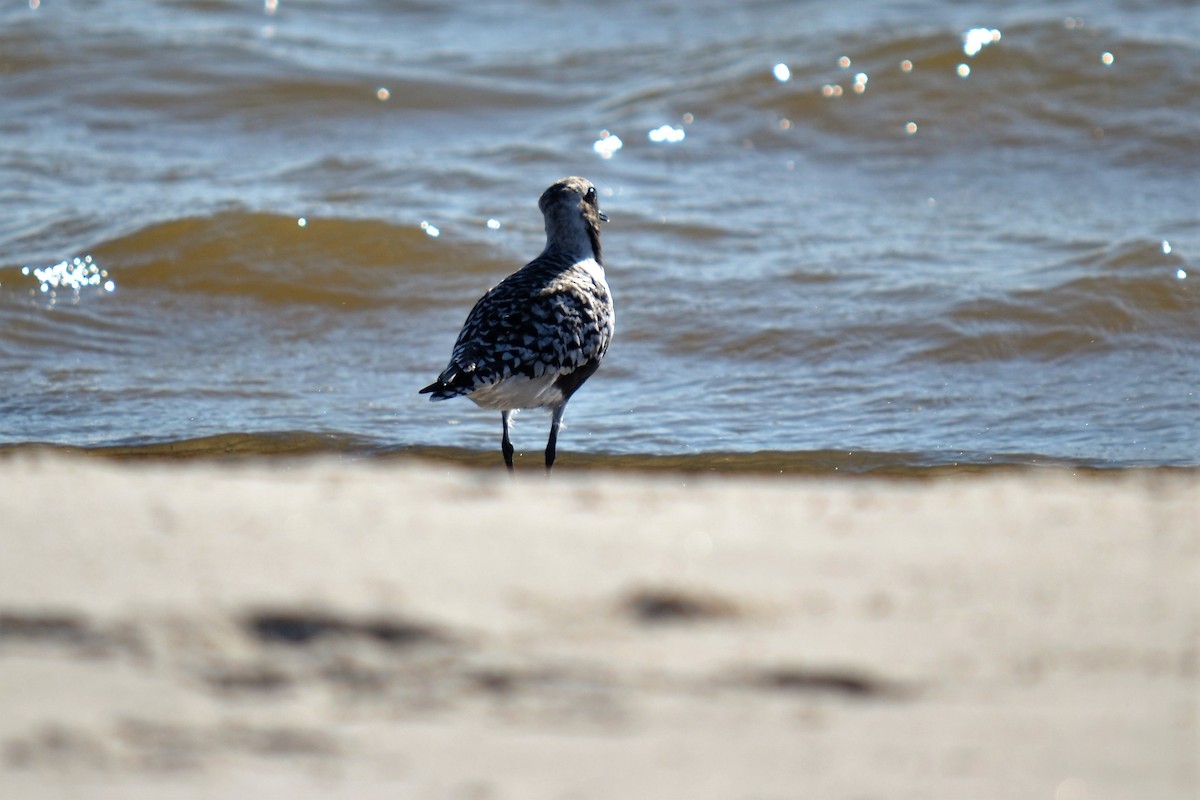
[533, 339]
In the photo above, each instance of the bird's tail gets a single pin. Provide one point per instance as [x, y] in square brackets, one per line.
[440, 391]
[455, 381]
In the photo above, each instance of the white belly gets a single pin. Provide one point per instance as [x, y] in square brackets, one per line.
[519, 391]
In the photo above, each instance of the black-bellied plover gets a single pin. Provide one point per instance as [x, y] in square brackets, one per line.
[535, 337]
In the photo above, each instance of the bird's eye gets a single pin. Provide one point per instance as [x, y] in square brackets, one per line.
[591, 194]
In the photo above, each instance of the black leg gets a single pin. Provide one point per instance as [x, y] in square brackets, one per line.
[555, 424]
[505, 444]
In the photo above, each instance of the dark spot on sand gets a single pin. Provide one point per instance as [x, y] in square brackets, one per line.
[802, 680]
[673, 605]
[495, 681]
[44, 627]
[397, 632]
[300, 628]
[64, 629]
[249, 679]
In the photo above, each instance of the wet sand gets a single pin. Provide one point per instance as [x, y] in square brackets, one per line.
[317, 628]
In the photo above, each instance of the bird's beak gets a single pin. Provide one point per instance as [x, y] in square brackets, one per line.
[603, 217]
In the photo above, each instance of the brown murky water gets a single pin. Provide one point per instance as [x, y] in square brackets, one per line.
[933, 235]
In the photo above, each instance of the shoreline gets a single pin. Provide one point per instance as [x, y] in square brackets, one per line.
[302, 627]
[267, 446]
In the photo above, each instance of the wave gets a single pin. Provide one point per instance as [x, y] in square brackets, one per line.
[233, 75]
[1040, 83]
[1127, 296]
[347, 263]
[821, 463]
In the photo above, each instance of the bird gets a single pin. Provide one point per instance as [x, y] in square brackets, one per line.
[534, 338]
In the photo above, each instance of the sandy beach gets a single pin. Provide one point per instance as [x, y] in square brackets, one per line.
[315, 628]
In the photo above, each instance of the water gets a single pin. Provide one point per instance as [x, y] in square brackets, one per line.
[908, 247]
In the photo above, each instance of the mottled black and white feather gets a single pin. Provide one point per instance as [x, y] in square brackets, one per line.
[534, 338]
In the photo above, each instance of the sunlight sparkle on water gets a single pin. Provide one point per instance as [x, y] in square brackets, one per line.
[665, 133]
[963, 70]
[782, 73]
[1106, 59]
[382, 94]
[493, 224]
[430, 230]
[1166, 247]
[1181, 274]
[976, 39]
[607, 144]
[76, 274]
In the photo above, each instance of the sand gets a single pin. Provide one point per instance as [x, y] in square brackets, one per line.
[318, 628]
